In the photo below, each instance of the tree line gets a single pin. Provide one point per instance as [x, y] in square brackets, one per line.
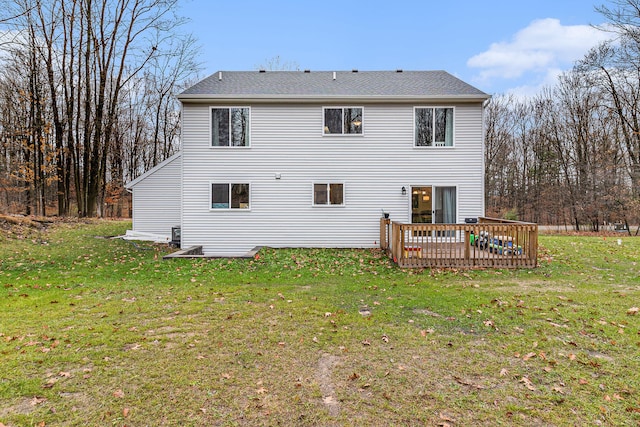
[571, 154]
[87, 100]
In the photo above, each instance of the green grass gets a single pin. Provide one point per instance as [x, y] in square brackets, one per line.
[103, 332]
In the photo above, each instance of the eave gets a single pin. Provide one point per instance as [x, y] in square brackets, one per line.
[287, 99]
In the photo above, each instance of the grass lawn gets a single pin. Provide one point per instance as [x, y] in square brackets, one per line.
[101, 332]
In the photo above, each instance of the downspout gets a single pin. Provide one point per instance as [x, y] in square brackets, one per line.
[484, 147]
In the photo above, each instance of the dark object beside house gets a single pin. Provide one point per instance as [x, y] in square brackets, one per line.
[175, 236]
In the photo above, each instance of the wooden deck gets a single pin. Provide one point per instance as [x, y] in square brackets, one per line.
[491, 243]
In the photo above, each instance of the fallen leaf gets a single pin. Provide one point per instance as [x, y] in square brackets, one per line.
[527, 383]
[468, 383]
[261, 390]
[36, 401]
[354, 376]
[366, 342]
[118, 394]
[125, 412]
[528, 356]
[445, 417]
[633, 311]
[503, 372]
[50, 383]
[385, 338]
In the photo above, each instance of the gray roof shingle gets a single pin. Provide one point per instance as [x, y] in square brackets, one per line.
[347, 84]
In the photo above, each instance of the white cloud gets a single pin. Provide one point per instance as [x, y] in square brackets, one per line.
[545, 44]
[533, 88]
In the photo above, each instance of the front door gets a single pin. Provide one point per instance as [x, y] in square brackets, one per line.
[433, 205]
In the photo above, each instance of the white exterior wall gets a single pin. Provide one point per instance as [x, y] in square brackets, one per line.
[157, 199]
[288, 140]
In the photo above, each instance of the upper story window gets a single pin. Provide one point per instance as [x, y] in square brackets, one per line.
[342, 120]
[328, 194]
[230, 196]
[433, 126]
[229, 126]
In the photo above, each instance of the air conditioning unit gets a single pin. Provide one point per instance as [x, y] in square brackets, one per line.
[175, 236]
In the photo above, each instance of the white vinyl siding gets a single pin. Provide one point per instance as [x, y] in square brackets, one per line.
[157, 199]
[285, 142]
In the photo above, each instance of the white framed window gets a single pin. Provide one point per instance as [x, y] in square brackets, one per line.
[229, 126]
[229, 196]
[342, 120]
[328, 194]
[433, 126]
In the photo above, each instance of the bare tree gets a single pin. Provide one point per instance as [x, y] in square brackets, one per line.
[89, 54]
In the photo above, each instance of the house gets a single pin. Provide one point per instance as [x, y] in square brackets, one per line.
[312, 159]
[156, 200]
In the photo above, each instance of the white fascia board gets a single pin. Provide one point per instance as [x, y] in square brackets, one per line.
[200, 98]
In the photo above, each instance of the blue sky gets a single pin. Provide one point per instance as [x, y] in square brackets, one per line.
[498, 46]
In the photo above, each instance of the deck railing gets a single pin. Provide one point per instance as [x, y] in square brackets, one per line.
[488, 243]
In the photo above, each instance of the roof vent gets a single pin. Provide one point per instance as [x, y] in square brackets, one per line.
[354, 70]
[334, 75]
[399, 70]
[262, 70]
[219, 75]
[307, 71]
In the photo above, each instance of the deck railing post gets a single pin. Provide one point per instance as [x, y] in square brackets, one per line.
[467, 246]
[384, 233]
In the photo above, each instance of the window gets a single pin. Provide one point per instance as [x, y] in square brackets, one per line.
[230, 127]
[342, 120]
[229, 196]
[434, 127]
[328, 194]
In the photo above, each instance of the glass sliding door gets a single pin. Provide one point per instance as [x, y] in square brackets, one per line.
[421, 205]
[433, 205]
[445, 205]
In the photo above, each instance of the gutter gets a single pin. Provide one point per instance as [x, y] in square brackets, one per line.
[213, 98]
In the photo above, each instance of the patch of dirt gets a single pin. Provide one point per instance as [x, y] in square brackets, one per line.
[23, 406]
[21, 227]
[15, 227]
[325, 366]
[426, 312]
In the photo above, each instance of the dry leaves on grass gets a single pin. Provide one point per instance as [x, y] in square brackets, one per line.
[468, 383]
[527, 383]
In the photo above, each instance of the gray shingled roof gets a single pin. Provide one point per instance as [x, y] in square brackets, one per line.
[300, 84]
